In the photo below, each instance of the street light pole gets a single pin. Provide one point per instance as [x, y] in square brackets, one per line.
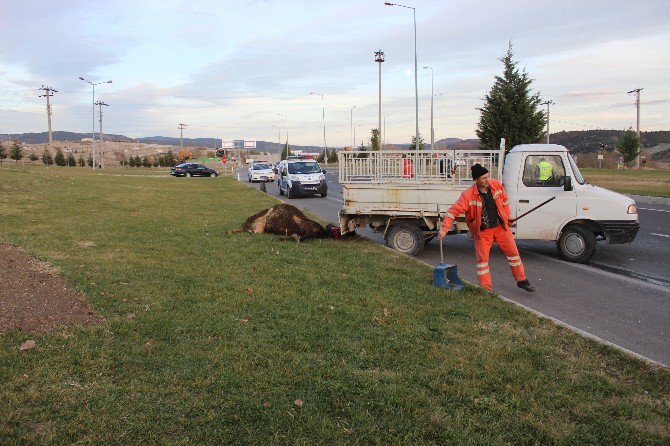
[323, 118]
[379, 58]
[432, 128]
[353, 138]
[416, 82]
[102, 144]
[93, 84]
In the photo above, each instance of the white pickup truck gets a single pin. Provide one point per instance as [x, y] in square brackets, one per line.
[402, 193]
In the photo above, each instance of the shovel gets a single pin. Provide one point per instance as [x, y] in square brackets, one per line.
[446, 275]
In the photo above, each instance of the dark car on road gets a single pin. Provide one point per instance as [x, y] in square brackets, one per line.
[193, 170]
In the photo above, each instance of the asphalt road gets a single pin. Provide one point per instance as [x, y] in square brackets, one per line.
[622, 296]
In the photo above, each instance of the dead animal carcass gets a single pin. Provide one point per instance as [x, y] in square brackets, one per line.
[287, 221]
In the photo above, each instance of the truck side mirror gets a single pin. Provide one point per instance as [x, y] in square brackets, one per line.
[567, 183]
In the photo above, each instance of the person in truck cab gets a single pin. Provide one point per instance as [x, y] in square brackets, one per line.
[544, 171]
[487, 214]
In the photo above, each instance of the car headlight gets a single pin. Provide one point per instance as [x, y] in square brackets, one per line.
[632, 209]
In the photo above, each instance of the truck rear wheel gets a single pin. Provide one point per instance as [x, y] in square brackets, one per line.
[577, 244]
[406, 238]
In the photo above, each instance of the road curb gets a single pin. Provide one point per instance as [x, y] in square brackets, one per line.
[645, 199]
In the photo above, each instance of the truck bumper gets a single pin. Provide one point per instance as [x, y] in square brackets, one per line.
[620, 231]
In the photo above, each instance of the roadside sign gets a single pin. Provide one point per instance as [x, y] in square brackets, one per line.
[600, 157]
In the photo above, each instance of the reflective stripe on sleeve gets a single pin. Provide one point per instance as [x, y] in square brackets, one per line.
[496, 193]
[475, 203]
[451, 216]
[514, 258]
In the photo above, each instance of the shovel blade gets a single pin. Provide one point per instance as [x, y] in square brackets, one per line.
[446, 276]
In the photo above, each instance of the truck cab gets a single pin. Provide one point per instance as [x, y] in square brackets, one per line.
[578, 216]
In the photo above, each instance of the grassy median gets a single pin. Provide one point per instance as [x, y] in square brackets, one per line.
[241, 339]
[655, 183]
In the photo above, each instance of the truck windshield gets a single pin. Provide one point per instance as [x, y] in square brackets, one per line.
[306, 167]
[575, 170]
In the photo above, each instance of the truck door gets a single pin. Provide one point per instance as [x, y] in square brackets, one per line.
[542, 178]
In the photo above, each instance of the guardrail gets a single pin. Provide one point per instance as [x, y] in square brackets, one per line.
[417, 166]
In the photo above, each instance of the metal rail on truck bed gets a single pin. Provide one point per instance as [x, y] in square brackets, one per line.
[417, 166]
[388, 186]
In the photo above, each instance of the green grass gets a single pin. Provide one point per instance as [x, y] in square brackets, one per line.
[225, 367]
[655, 183]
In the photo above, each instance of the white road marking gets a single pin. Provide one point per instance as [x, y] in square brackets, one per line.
[649, 209]
[660, 235]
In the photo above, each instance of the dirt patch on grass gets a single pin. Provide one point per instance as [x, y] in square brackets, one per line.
[33, 298]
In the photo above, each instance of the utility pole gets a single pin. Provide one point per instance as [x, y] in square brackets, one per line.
[48, 92]
[547, 103]
[181, 135]
[102, 144]
[379, 58]
[637, 105]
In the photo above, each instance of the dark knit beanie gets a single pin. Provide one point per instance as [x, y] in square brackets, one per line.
[478, 170]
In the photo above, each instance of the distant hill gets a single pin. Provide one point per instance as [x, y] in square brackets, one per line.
[585, 141]
[590, 140]
[43, 137]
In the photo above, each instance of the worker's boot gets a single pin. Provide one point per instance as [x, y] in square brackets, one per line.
[525, 284]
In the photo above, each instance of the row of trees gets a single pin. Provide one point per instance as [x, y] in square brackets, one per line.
[61, 159]
[15, 153]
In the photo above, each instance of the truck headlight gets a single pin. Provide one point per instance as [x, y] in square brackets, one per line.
[294, 178]
[322, 177]
[632, 209]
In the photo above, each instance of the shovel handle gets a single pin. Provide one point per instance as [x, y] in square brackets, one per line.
[439, 228]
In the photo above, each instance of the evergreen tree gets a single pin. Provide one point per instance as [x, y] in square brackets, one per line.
[375, 140]
[511, 111]
[71, 162]
[15, 152]
[32, 157]
[89, 161]
[154, 161]
[422, 145]
[286, 151]
[320, 159]
[169, 159]
[332, 156]
[138, 161]
[362, 149]
[81, 161]
[145, 161]
[161, 160]
[47, 158]
[3, 153]
[59, 159]
[628, 145]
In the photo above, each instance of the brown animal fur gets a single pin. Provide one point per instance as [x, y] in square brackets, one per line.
[284, 220]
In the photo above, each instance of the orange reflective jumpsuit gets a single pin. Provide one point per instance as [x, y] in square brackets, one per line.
[470, 203]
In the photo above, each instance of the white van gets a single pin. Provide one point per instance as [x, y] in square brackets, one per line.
[301, 177]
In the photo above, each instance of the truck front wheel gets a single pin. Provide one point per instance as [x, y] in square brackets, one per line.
[577, 244]
[406, 238]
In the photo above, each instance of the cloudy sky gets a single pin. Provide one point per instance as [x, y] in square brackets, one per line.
[245, 69]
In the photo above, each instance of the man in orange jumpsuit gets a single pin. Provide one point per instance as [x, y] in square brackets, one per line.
[487, 215]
